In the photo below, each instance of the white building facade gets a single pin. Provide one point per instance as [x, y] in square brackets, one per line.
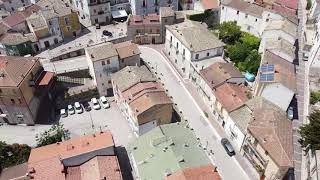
[144, 7]
[94, 11]
[250, 17]
[186, 44]
[103, 61]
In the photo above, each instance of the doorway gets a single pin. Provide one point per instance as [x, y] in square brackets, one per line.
[47, 44]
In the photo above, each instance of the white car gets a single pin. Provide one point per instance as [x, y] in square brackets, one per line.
[63, 113]
[78, 108]
[104, 102]
[95, 103]
[70, 109]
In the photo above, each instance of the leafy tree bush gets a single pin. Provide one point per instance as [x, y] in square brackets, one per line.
[310, 134]
[55, 134]
[251, 63]
[237, 52]
[200, 17]
[250, 41]
[309, 4]
[229, 32]
[14, 154]
[314, 97]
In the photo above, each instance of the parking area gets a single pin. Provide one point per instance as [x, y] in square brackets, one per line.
[77, 124]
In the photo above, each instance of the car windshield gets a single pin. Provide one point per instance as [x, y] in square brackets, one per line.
[228, 145]
[78, 107]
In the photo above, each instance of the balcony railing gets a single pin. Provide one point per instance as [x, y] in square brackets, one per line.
[37, 77]
[251, 151]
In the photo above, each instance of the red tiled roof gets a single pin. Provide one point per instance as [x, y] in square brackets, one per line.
[108, 167]
[46, 162]
[20, 16]
[127, 49]
[195, 173]
[210, 4]
[46, 78]
[150, 19]
[231, 96]
[292, 4]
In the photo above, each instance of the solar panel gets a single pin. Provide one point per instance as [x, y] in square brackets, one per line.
[267, 68]
[271, 67]
[270, 77]
[263, 68]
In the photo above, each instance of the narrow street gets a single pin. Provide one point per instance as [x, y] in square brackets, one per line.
[191, 111]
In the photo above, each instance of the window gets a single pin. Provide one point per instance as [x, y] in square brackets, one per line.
[267, 20]
[150, 31]
[50, 23]
[208, 54]
[170, 38]
[122, 60]
[175, 61]
[144, 3]
[12, 101]
[237, 12]
[103, 63]
[12, 9]
[19, 100]
[256, 20]
[248, 28]
[222, 7]
[102, 84]
[0, 91]
[158, 31]
[165, 20]
[177, 45]
[197, 56]
[94, 11]
[108, 61]
[184, 51]
[100, 75]
[246, 16]
[109, 82]
[22, 1]
[68, 28]
[66, 20]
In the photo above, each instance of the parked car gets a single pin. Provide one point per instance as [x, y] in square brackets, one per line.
[70, 109]
[227, 146]
[86, 106]
[107, 33]
[63, 113]
[290, 113]
[104, 102]
[95, 103]
[78, 108]
[97, 26]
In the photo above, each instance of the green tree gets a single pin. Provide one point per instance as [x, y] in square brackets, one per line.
[237, 52]
[251, 63]
[13, 154]
[310, 134]
[309, 4]
[314, 97]
[250, 41]
[229, 32]
[56, 133]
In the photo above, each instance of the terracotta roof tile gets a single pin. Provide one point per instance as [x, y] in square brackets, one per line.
[195, 173]
[47, 162]
[10, 74]
[147, 99]
[210, 4]
[231, 96]
[127, 49]
[284, 70]
[99, 167]
[273, 131]
[218, 73]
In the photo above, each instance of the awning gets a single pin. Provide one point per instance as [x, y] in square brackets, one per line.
[119, 14]
[45, 80]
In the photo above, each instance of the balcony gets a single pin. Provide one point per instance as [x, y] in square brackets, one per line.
[41, 78]
[100, 12]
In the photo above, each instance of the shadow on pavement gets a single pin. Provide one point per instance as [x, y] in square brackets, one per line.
[124, 162]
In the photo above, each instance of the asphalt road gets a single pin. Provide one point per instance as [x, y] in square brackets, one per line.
[228, 167]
